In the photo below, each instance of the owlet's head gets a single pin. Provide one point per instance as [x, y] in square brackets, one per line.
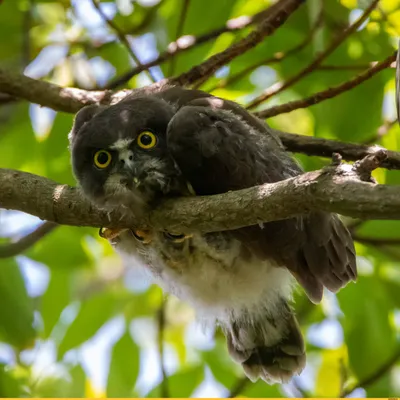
[119, 153]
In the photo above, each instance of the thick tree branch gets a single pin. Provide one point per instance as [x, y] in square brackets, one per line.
[53, 96]
[328, 93]
[283, 11]
[275, 89]
[336, 189]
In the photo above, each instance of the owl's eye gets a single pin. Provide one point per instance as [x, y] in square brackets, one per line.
[147, 140]
[102, 159]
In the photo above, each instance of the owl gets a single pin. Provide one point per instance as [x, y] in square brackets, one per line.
[170, 142]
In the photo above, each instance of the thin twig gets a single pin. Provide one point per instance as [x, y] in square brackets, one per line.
[277, 57]
[188, 42]
[328, 93]
[275, 89]
[238, 387]
[179, 31]
[315, 146]
[379, 373]
[377, 241]
[381, 131]
[161, 331]
[26, 29]
[283, 10]
[359, 67]
[121, 37]
[13, 249]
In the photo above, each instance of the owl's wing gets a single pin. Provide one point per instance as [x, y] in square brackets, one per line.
[220, 147]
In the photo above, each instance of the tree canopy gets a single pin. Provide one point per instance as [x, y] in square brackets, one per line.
[75, 320]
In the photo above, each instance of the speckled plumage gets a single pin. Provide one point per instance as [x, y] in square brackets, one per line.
[241, 280]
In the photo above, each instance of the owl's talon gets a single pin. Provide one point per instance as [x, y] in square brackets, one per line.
[142, 236]
[109, 233]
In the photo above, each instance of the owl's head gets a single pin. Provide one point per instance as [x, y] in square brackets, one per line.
[119, 152]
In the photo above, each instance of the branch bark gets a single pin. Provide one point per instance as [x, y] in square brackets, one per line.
[314, 146]
[121, 36]
[18, 247]
[179, 46]
[337, 188]
[48, 94]
[328, 93]
[266, 28]
[275, 89]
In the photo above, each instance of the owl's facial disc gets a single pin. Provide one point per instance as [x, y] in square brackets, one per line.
[137, 173]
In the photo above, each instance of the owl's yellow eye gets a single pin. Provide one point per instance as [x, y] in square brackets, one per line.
[147, 140]
[102, 159]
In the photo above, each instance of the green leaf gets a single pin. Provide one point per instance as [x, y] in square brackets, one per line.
[182, 384]
[221, 365]
[62, 249]
[124, 367]
[16, 310]
[92, 315]
[329, 377]
[368, 331]
[78, 382]
[260, 390]
[55, 299]
[9, 385]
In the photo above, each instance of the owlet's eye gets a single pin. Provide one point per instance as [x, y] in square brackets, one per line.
[147, 140]
[102, 159]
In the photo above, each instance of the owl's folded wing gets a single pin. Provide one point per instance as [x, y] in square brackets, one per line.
[220, 147]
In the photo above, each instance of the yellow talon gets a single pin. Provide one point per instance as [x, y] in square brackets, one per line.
[143, 236]
[110, 233]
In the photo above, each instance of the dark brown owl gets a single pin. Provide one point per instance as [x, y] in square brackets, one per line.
[172, 142]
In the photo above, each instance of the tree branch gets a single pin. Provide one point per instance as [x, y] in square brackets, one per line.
[179, 30]
[275, 89]
[337, 189]
[328, 93]
[238, 387]
[277, 57]
[283, 10]
[314, 146]
[48, 94]
[160, 339]
[13, 249]
[368, 381]
[181, 44]
[121, 36]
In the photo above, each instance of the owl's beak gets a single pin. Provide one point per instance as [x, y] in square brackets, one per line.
[136, 181]
[129, 176]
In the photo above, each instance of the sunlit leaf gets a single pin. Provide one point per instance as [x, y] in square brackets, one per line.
[182, 384]
[16, 310]
[124, 367]
[55, 299]
[93, 313]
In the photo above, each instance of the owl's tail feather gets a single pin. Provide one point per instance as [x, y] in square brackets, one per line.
[269, 347]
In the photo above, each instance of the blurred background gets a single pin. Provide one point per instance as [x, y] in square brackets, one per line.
[75, 320]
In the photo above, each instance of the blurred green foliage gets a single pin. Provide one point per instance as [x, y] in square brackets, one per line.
[88, 285]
